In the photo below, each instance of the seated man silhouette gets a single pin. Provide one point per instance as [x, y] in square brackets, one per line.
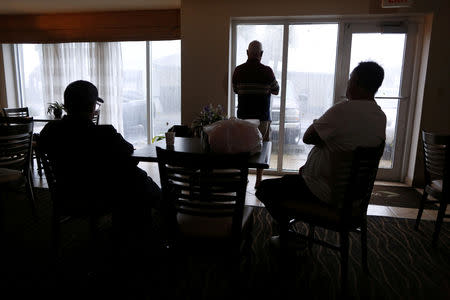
[358, 122]
[93, 164]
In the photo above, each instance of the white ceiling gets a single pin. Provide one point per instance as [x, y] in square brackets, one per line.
[57, 6]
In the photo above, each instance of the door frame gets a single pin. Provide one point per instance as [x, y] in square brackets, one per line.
[405, 98]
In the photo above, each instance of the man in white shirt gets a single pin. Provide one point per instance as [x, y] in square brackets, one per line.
[358, 122]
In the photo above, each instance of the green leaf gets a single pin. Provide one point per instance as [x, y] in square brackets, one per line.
[158, 138]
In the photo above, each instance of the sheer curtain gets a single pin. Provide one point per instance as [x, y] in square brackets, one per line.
[99, 63]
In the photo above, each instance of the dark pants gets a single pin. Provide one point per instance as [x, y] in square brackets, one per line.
[133, 197]
[273, 192]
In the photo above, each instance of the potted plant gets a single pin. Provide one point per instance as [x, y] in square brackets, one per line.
[208, 115]
[56, 108]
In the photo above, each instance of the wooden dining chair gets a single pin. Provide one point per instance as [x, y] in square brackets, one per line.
[181, 130]
[24, 112]
[436, 150]
[61, 213]
[206, 195]
[16, 134]
[353, 176]
[16, 112]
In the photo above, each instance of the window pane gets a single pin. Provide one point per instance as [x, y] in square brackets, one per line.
[134, 99]
[120, 72]
[309, 86]
[387, 50]
[166, 85]
[30, 60]
[271, 37]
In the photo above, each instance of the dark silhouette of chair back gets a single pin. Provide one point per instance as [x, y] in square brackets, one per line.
[16, 135]
[205, 185]
[62, 213]
[181, 131]
[354, 175]
[23, 112]
[436, 151]
[16, 112]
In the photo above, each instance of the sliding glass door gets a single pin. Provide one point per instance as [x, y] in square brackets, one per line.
[271, 37]
[309, 86]
[392, 47]
[302, 57]
[312, 62]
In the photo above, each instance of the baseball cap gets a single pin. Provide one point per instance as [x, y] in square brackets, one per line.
[80, 95]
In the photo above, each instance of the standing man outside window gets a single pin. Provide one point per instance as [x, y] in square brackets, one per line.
[254, 83]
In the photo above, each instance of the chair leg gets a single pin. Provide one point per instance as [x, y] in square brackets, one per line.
[440, 218]
[421, 207]
[39, 165]
[30, 194]
[344, 247]
[93, 231]
[311, 236]
[55, 236]
[284, 233]
[364, 246]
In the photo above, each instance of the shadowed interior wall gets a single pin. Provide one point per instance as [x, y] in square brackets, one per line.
[205, 56]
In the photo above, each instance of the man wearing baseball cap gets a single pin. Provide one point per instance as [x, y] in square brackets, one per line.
[81, 96]
[93, 165]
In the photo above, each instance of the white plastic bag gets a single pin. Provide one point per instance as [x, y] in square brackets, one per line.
[234, 136]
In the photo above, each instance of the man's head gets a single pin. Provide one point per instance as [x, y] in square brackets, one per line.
[80, 98]
[365, 80]
[255, 50]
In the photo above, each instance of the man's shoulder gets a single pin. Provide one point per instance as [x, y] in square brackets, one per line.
[105, 132]
[268, 68]
[240, 67]
[52, 127]
[105, 128]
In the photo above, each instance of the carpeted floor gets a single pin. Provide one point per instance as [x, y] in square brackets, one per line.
[402, 263]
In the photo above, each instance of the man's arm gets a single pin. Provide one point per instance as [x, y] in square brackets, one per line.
[274, 87]
[234, 81]
[116, 141]
[311, 136]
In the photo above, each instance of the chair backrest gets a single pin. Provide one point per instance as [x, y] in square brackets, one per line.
[46, 165]
[16, 112]
[207, 184]
[436, 150]
[354, 175]
[181, 130]
[60, 198]
[16, 136]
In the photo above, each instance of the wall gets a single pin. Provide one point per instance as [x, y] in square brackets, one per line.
[205, 32]
[58, 6]
[436, 101]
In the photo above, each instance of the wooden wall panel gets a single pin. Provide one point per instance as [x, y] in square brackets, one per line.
[92, 27]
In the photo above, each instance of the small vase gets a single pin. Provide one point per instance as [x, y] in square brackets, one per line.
[204, 140]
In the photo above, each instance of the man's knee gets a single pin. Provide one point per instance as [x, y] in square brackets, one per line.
[267, 189]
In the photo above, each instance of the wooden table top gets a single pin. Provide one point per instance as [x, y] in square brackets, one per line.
[182, 144]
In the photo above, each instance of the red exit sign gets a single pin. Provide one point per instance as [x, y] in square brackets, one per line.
[396, 3]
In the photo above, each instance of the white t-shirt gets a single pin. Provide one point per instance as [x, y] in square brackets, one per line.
[343, 127]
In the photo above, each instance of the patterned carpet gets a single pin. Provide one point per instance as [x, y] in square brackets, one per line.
[402, 263]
